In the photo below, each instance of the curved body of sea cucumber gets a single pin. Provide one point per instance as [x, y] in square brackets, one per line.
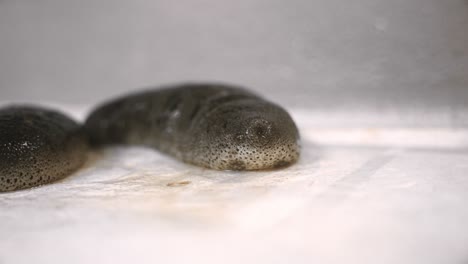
[37, 146]
[210, 125]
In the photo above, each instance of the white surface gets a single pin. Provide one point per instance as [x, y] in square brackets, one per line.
[358, 195]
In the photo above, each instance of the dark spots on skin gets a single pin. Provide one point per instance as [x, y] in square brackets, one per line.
[236, 165]
[37, 146]
[210, 125]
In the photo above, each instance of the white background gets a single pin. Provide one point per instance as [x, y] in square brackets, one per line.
[313, 53]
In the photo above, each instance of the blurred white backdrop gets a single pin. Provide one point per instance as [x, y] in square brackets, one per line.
[306, 53]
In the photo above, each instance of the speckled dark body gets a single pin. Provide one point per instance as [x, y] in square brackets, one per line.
[210, 125]
[37, 146]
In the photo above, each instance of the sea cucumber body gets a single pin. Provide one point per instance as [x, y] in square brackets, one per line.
[211, 125]
[37, 146]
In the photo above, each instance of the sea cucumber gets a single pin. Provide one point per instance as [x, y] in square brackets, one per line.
[38, 146]
[217, 126]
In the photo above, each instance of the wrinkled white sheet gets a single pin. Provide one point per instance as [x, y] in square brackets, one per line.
[359, 194]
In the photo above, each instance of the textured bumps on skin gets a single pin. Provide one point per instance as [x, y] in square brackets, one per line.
[216, 126]
[37, 146]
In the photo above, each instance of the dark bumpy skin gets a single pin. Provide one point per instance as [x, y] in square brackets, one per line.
[37, 146]
[211, 125]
